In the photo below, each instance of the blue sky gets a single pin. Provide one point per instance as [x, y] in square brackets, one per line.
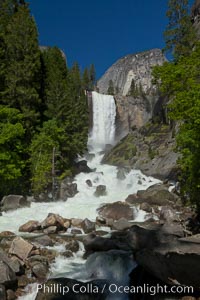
[100, 31]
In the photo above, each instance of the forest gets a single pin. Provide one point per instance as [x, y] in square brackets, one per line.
[43, 106]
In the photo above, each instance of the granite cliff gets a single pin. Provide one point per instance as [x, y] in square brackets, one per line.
[134, 107]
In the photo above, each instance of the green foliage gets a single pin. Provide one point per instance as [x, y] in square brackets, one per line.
[43, 106]
[11, 148]
[180, 34]
[23, 65]
[180, 81]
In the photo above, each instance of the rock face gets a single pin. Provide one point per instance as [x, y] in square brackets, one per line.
[135, 66]
[133, 109]
[150, 149]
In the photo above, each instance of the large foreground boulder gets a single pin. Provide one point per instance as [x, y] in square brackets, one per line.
[12, 202]
[175, 263]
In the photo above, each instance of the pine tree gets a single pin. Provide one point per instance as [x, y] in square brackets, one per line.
[86, 79]
[180, 34]
[54, 80]
[23, 65]
[92, 77]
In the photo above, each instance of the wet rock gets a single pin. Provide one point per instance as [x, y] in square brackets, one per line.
[76, 222]
[23, 281]
[173, 261]
[93, 243]
[73, 246]
[10, 295]
[30, 226]
[7, 234]
[89, 182]
[20, 248]
[68, 189]
[132, 199]
[55, 220]
[50, 230]
[67, 254]
[76, 231]
[44, 240]
[168, 214]
[100, 191]
[12, 202]
[173, 229]
[2, 292]
[40, 270]
[7, 275]
[116, 211]
[146, 207]
[121, 174]
[82, 166]
[88, 226]
[121, 224]
[157, 195]
[39, 266]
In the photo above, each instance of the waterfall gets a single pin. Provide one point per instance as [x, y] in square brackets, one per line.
[104, 113]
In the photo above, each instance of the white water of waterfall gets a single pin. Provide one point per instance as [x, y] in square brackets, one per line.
[85, 203]
[104, 113]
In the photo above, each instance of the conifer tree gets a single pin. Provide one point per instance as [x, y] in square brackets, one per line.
[180, 34]
[23, 66]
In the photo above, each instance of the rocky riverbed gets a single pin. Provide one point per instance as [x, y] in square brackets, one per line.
[164, 246]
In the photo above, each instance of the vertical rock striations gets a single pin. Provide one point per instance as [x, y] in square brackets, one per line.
[135, 95]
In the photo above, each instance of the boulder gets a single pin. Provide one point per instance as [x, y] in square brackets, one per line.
[67, 254]
[146, 207]
[100, 191]
[174, 262]
[68, 189]
[76, 222]
[55, 220]
[88, 226]
[75, 231]
[39, 266]
[44, 240]
[89, 182]
[157, 194]
[121, 224]
[30, 226]
[7, 275]
[116, 211]
[168, 214]
[21, 248]
[40, 270]
[72, 246]
[10, 295]
[12, 202]
[93, 243]
[81, 166]
[50, 230]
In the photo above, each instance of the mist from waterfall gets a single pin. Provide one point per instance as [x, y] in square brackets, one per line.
[103, 129]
